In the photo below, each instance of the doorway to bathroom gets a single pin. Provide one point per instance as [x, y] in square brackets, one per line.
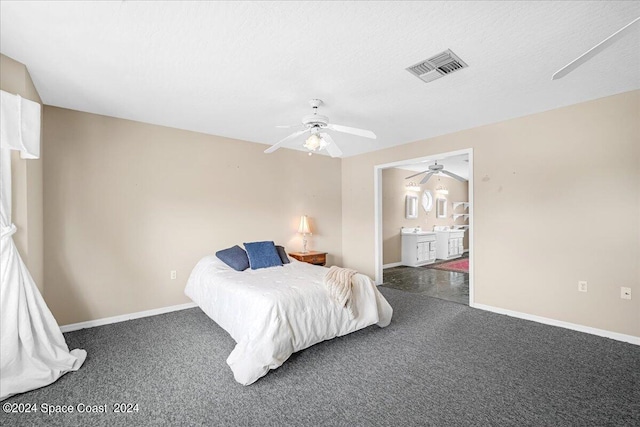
[424, 225]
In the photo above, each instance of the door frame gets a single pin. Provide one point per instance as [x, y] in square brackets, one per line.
[378, 240]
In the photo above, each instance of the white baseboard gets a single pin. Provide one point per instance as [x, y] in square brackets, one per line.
[553, 322]
[391, 265]
[539, 319]
[125, 317]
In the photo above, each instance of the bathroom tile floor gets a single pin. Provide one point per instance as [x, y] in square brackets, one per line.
[447, 285]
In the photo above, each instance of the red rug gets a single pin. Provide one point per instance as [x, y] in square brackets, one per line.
[459, 265]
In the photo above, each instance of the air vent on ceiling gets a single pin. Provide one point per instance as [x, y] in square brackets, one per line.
[437, 66]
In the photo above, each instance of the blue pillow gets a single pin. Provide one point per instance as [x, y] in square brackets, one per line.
[235, 257]
[283, 254]
[262, 255]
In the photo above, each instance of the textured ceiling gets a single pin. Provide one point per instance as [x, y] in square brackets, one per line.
[237, 69]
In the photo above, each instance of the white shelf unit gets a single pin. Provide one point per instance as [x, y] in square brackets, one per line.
[465, 206]
[455, 245]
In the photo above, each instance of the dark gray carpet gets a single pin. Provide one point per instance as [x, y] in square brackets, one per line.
[438, 363]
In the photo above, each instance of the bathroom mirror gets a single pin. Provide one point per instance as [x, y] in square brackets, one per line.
[441, 208]
[427, 201]
[411, 206]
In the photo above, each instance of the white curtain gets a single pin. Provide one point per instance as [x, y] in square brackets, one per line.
[33, 352]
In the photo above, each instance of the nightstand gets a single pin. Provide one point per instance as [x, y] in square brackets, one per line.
[312, 257]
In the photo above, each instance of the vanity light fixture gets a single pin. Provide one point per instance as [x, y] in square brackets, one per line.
[442, 189]
[412, 186]
[304, 230]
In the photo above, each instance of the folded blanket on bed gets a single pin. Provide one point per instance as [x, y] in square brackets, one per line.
[338, 281]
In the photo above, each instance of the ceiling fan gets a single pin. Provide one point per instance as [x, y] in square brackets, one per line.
[436, 169]
[319, 139]
[594, 50]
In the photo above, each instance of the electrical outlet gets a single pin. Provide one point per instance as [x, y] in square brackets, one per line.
[174, 274]
[625, 293]
[582, 286]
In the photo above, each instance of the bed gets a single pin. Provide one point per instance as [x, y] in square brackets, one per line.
[273, 312]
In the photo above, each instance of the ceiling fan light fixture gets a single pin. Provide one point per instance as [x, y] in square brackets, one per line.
[319, 140]
[315, 143]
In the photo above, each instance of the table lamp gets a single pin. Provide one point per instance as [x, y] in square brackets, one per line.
[304, 230]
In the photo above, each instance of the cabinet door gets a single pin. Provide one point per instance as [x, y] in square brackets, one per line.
[432, 250]
[423, 251]
[460, 246]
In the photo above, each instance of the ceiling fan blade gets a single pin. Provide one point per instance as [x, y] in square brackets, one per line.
[332, 148]
[594, 50]
[453, 175]
[416, 174]
[278, 144]
[426, 177]
[289, 126]
[353, 131]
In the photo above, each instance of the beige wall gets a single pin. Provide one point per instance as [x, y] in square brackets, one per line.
[126, 202]
[556, 200]
[26, 176]
[393, 208]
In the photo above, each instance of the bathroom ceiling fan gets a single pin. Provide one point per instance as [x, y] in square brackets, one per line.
[595, 50]
[317, 125]
[436, 169]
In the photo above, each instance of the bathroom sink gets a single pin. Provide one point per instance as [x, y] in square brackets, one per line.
[417, 233]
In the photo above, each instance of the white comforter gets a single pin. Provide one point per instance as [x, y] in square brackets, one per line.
[273, 312]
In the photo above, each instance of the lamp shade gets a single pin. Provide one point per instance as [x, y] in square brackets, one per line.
[304, 225]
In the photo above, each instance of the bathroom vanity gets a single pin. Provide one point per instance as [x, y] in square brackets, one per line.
[449, 244]
[418, 247]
